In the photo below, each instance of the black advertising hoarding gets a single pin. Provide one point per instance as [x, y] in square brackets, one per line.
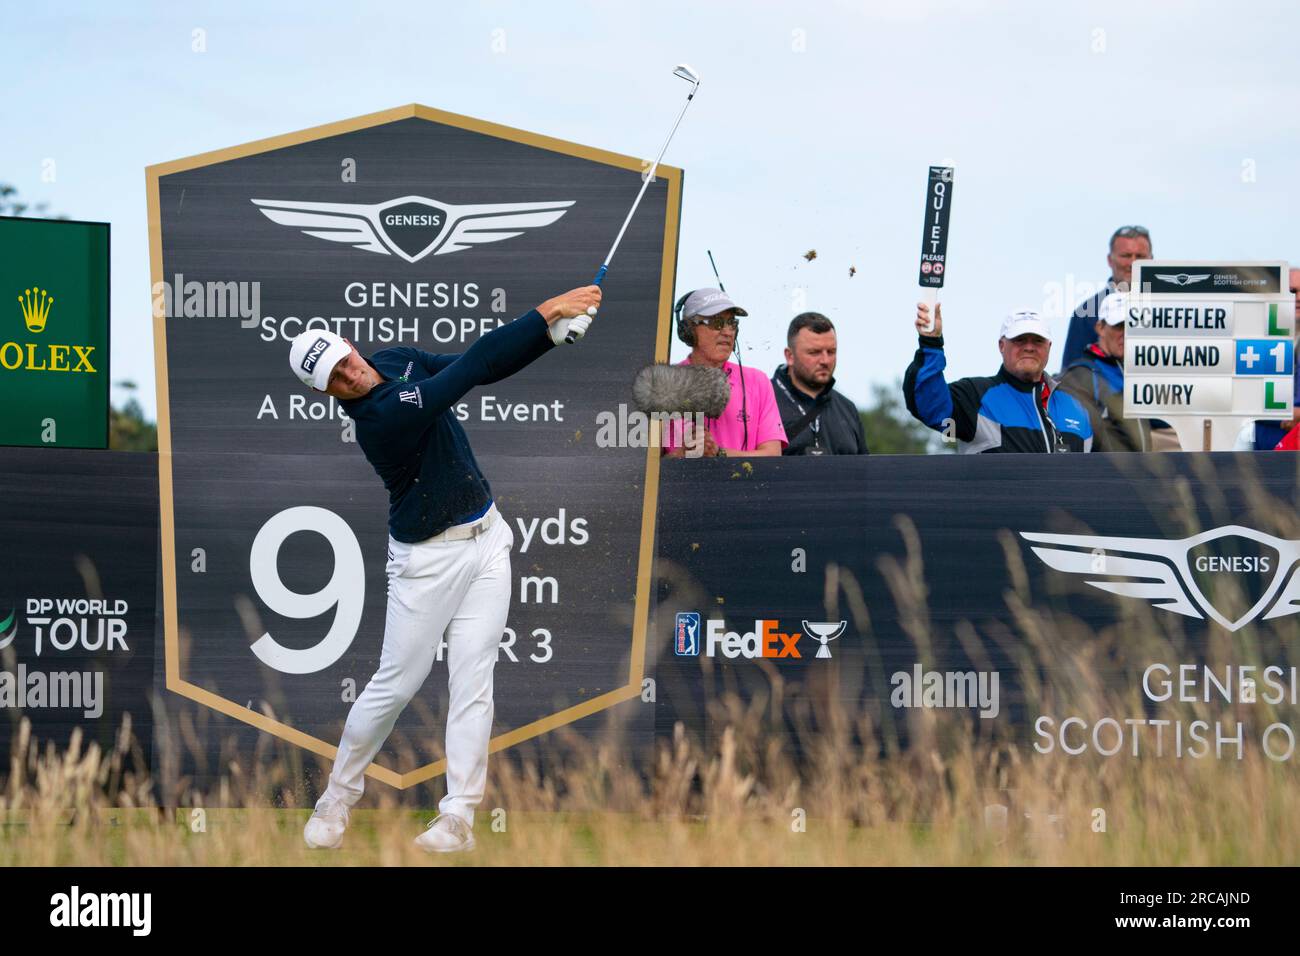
[1098, 589]
[1066, 601]
[54, 333]
[934, 236]
[410, 227]
[77, 599]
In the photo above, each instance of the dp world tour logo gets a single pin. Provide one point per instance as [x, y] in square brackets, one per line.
[412, 227]
[8, 627]
[1231, 574]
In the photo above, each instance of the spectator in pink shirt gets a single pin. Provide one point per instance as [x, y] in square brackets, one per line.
[750, 426]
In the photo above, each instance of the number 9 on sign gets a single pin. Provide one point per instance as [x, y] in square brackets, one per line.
[346, 589]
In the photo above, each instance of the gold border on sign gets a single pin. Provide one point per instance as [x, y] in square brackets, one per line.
[175, 682]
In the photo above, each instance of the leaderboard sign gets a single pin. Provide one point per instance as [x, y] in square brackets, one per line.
[1209, 346]
[427, 230]
[54, 333]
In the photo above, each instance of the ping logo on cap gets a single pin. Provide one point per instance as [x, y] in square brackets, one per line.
[314, 353]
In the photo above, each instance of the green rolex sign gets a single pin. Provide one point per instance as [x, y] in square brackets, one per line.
[54, 333]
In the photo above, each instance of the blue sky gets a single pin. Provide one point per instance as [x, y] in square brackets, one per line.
[812, 130]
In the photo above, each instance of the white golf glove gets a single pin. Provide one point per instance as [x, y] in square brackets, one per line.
[577, 325]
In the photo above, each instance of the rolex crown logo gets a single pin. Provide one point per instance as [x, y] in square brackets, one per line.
[36, 308]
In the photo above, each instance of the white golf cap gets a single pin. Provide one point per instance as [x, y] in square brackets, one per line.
[708, 302]
[314, 354]
[1024, 322]
[1114, 308]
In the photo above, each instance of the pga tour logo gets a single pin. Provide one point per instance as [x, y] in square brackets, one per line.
[765, 640]
[1185, 575]
[412, 227]
[686, 634]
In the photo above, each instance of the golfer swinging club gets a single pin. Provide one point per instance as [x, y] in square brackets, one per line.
[448, 547]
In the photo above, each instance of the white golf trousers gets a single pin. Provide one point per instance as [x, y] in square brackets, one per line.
[462, 589]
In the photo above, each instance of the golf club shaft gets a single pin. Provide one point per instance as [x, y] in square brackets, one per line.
[645, 182]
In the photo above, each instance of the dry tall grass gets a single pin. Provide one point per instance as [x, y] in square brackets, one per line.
[710, 808]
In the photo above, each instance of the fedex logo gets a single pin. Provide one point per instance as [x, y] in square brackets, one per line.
[763, 641]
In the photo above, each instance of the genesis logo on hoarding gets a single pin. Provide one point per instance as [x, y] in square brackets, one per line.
[1176, 575]
[412, 227]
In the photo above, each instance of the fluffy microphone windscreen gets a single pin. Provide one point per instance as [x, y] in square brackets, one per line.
[686, 389]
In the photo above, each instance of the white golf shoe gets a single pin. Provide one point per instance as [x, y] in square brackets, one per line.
[446, 833]
[324, 831]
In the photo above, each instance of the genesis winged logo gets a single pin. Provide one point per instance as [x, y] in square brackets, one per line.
[1182, 278]
[1175, 575]
[412, 227]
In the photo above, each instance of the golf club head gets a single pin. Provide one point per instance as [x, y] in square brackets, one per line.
[686, 73]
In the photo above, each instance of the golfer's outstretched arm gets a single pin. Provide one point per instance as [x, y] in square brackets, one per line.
[574, 303]
[498, 354]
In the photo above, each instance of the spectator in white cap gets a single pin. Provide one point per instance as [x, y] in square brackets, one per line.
[1097, 381]
[1019, 409]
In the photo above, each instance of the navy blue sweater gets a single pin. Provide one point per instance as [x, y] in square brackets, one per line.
[407, 428]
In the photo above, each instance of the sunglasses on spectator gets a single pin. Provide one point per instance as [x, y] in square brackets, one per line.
[1130, 232]
[717, 322]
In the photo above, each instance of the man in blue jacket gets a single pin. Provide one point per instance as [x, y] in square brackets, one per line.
[1017, 410]
[448, 547]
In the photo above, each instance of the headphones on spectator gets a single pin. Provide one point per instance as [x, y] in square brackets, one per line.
[684, 331]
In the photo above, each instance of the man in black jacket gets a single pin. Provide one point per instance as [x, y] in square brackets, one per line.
[818, 420]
